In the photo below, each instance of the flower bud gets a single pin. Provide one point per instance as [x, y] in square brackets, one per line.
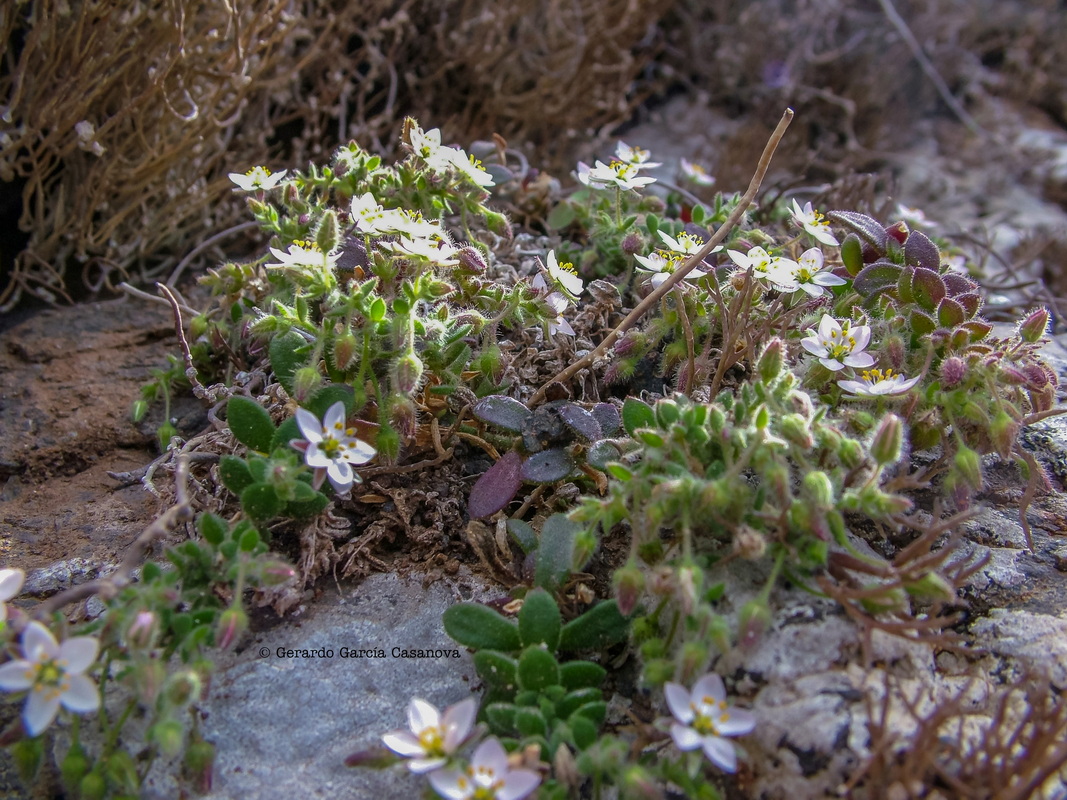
[1035, 326]
[888, 440]
[953, 370]
[817, 487]
[407, 373]
[305, 381]
[471, 259]
[932, 587]
[851, 453]
[276, 572]
[142, 631]
[661, 582]
[93, 786]
[182, 688]
[199, 764]
[690, 586]
[749, 543]
[969, 466]
[498, 223]
[770, 361]
[585, 543]
[898, 231]
[233, 622]
[895, 351]
[795, 429]
[198, 326]
[638, 784]
[753, 621]
[629, 583]
[632, 243]
[658, 671]
[345, 349]
[168, 735]
[694, 661]
[74, 767]
[1005, 430]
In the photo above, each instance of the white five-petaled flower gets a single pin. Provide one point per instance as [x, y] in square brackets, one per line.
[372, 219]
[10, 585]
[558, 303]
[564, 276]
[258, 178]
[53, 673]
[814, 223]
[635, 156]
[433, 736]
[915, 216]
[808, 274]
[425, 144]
[331, 449]
[704, 719]
[468, 166]
[775, 270]
[839, 345]
[875, 383]
[435, 251]
[686, 244]
[696, 173]
[662, 265]
[489, 777]
[618, 173]
[302, 254]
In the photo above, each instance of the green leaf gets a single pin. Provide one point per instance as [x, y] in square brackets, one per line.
[480, 627]
[599, 627]
[288, 353]
[501, 718]
[595, 712]
[234, 474]
[548, 466]
[286, 432]
[498, 671]
[852, 254]
[637, 414]
[538, 669]
[325, 397]
[261, 502]
[866, 227]
[602, 453]
[502, 411]
[876, 278]
[561, 216]
[530, 722]
[249, 540]
[523, 534]
[212, 528]
[577, 675]
[556, 553]
[306, 509]
[583, 730]
[572, 701]
[250, 423]
[698, 214]
[928, 288]
[539, 620]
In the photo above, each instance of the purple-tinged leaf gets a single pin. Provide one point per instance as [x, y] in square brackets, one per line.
[957, 284]
[548, 466]
[978, 329]
[497, 486]
[867, 227]
[928, 288]
[601, 453]
[581, 422]
[970, 301]
[921, 323]
[919, 251]
[608, 417]
[876, 278]
[904, 284]
[950, 313]
[502, 411]
[898, 232]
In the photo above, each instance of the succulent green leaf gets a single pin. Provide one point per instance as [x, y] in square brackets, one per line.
[556, 553]
[921, 323]
[538, 669]
[583, 730]
[480, 627]
[286, 432]
[234, 474]
[958, 284]
[250, 423]
[501, 717]
[288, 353]
[539, 620]
[950, 313]
[497, 486]
[595, 712]
[561, 216]
[601, 453]
[600, 626]
[325, 397]
[637, 414]
[212, 528]
[852, 254]
[503, 411]
[970, 301]
[548, 466]
[523, 534]
[572, 701]
[249, 540]
[306, 509]
[978, 329]
[904, 284]
[619, 472]
[498, 671]
[261, 502]
[530, 722]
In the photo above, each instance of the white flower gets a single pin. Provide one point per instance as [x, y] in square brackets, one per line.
[258, 178]
[839, 345]
[808, 276]
[425, 144]
[686, 244]
[372, 219]
[302, 254]
[635, 156]
[774, 270]
[433, 736]
[53, 674]
[435, 251]
[619, 173]
[487, 778]
[875, 383]
[469, 166]
[564, 276]
[703, 719]
[558, 303]
[696, 173]
[663, 265]
[330, 449]
[814, 223]
[915, 216]
[10, 585]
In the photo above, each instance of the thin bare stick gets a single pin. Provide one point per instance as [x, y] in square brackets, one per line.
[179, 328]
[204, 245]
[654, 297]
[107, 588]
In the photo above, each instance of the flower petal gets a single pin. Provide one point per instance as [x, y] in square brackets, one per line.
[82, 696]
[518, 784]
[421, 765]
[422, 715]
[738, 723]
[334, 420]
[491, 755]
[309, 425]
[678, 702]
[17, 675]
[709, 686]
[79, 652]
[451, 784]
[685, 738]
[859, 360]
[10, 583]
[458, 721]
[38, 642]
[403, 743]
[359, 452]
[721, 753]
[40, 710]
